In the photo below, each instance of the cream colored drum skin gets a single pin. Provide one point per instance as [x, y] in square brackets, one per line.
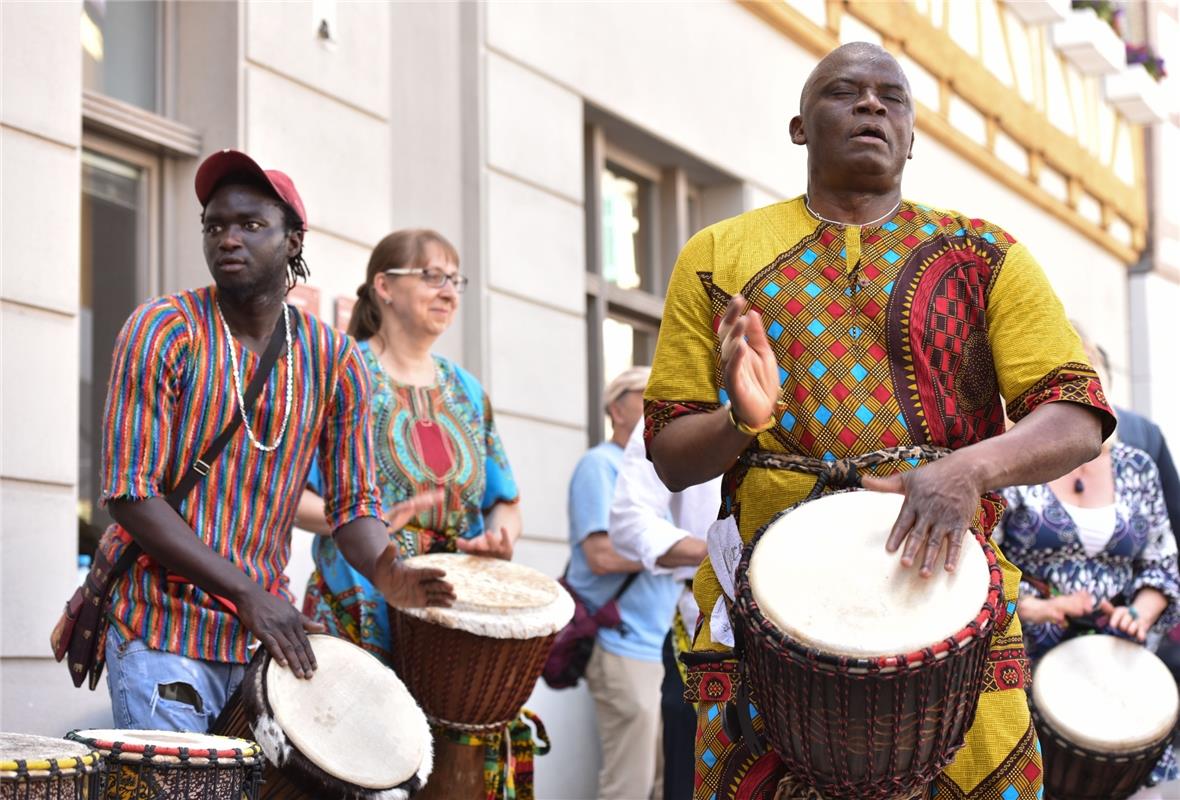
[1106, 694]
[496, 599]
[822, 575]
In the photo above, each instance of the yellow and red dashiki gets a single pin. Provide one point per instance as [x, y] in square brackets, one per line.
[904, 333]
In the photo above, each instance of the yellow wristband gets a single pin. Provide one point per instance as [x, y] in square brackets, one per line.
[742, 427]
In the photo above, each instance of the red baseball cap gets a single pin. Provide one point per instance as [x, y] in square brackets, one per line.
[229, 162]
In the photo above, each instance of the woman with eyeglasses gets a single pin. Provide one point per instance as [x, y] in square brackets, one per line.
[432, 432]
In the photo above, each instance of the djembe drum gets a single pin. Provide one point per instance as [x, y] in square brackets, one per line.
[867, 674]
[164, 765]
[1105, 709]
[350, 732]
[41, 768]
[473, 665]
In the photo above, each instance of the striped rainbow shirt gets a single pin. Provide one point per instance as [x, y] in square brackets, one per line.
[171, 393]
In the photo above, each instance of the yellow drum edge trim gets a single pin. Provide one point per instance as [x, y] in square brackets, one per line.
[47, 766]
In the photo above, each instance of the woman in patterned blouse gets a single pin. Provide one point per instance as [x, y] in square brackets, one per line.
[432, 432]
[1095, 545]
[1096, 550]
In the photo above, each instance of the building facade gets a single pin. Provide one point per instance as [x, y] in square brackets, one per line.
[568, 150]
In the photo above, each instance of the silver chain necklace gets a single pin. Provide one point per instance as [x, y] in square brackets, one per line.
[233, 358]
[877, 221]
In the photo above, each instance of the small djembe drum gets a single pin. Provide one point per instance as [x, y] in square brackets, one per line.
[41, 768]
[1105, 709]
[472, 666]
[866, 674]
[164, 765]
[350, 732]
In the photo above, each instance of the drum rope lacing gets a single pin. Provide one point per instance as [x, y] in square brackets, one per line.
[841, 473]
[466, 727]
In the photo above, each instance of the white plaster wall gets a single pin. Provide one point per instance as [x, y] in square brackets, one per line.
[710, 78]
[536, 244]
[352, 69]
[533, 234]
[34, 170]
[40, 108]
[1158, 300]
[332, 164]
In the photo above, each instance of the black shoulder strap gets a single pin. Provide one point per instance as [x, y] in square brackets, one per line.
[200, 467]
[618, 593]
[626, 585]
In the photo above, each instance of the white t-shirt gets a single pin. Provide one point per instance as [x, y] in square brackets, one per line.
[1095, 525]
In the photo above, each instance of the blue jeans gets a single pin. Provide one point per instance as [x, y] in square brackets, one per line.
[154, 690]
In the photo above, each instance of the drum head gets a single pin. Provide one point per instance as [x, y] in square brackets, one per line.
[354, 718]
[496, 598]
[1106, 694]
[40, 749]
[821, 574]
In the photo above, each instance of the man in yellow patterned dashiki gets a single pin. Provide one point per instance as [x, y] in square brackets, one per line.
[850, 321]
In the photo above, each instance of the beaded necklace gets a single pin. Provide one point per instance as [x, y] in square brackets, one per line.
[233, 358]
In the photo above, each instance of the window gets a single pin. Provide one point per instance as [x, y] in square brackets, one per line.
[121, 43]
[643, 201]
[118, 268]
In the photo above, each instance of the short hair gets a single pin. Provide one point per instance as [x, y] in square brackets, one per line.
[868, 47]
[629, 380]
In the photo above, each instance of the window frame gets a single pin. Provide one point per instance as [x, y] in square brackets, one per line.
[666, 208]
[148, 253]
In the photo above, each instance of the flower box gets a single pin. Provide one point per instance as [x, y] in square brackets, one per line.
[1137, 95]
[1089, 43]
[1038, 12]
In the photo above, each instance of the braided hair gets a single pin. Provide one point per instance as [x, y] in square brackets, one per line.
[296, 267]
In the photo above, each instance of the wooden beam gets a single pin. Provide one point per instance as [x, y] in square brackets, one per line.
[971, 80]
[932, 49]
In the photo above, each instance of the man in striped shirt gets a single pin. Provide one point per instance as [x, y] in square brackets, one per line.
[177, 646]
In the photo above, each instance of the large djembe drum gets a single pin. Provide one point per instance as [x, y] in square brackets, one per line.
[350, 732]
[866, 674]
[1105, 709]
[165, 765]
[41, 768]
[472, 666]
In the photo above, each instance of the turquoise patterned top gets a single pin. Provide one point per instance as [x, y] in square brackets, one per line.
[425, 438]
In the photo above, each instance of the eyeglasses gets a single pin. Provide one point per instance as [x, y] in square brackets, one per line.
[433, 277]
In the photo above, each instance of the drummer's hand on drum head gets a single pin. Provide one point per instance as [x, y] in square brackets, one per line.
[411, 587]
[748, 364]
[492, 543]
[1127, 620]
[940, 501]
[281, 629]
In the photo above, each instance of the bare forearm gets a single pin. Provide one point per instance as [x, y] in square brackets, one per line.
[1043, 446]
[309, 515]
[505, 516]
[603, 558]
[362, 542]
[688, 552]
[697, 448]
[166, 537]
[1150, 603]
